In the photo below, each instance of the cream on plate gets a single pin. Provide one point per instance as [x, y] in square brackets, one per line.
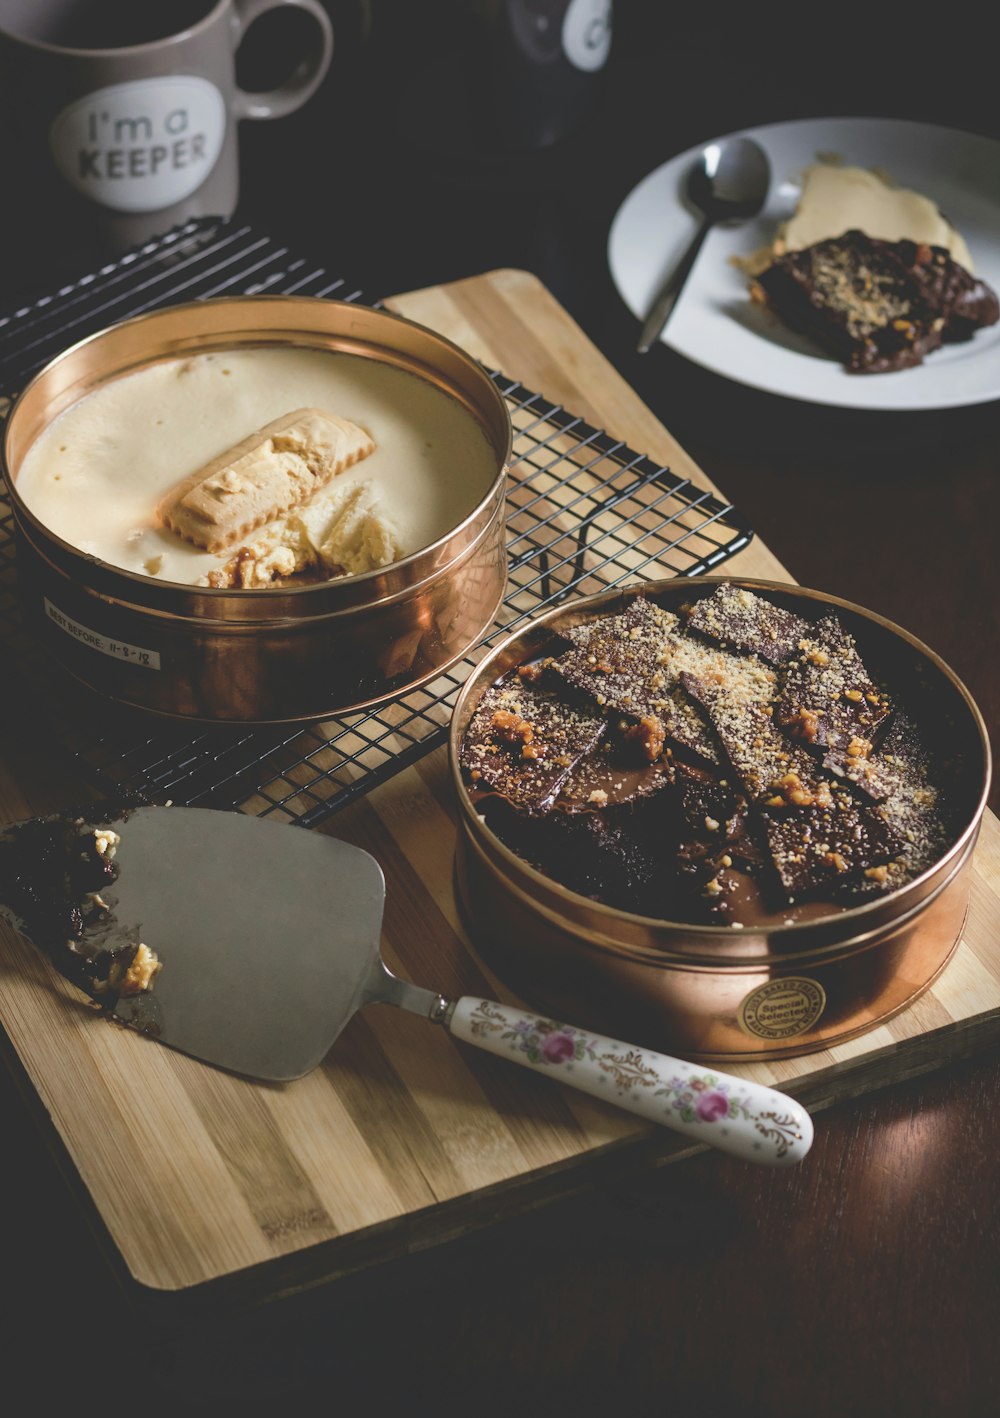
[99, 472]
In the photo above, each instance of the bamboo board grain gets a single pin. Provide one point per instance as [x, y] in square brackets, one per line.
[204, 1183]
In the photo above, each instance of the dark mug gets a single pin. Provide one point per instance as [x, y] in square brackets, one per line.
[121, 115]
[546, 62]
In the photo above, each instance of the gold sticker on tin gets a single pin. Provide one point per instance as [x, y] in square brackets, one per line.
[782, 1008]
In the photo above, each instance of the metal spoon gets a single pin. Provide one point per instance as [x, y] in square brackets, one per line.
[727, 184]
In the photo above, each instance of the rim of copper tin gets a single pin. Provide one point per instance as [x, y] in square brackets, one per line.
[398, 573]
[860, 923]
[674, 958]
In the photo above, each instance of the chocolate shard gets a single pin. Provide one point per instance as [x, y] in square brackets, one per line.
[965, 303]
[912, 807]
[633, 662]
[869, 775]
[523, 742]
[877, 305]
[828, 699]
[713, 814]
[737, 618]
[816, 831]
[817, 846]
[599, 855]
[616, 662]
[603, 779]
[759, 754]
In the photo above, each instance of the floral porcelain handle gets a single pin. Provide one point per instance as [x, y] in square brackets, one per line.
[733, 1114]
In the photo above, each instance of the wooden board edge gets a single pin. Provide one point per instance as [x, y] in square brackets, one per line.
[613, 1164]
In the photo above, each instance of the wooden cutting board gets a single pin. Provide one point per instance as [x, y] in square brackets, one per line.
[204, 1184]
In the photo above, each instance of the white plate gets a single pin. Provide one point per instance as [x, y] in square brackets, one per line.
[715, 324]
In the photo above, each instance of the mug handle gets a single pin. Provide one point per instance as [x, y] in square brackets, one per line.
[303, 82]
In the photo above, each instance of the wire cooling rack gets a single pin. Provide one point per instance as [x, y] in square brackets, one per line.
[584, 513]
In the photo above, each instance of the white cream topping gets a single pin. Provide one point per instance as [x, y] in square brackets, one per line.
[95, 475]
[836, 199]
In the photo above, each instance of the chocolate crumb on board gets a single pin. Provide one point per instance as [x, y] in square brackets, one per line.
[746, 623]
[828, 699]
[523, 742]
[53, 873]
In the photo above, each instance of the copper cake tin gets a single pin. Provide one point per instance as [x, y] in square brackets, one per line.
[261, 656]
[708, 992]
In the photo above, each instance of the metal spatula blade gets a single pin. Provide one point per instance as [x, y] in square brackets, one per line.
[267, 935]
[269, 942]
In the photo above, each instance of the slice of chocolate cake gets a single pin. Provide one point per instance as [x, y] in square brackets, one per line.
[878, 306]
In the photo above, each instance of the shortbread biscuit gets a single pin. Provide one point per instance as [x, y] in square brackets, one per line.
[276, 468]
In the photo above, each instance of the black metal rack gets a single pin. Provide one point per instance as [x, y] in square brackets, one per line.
[584, 513]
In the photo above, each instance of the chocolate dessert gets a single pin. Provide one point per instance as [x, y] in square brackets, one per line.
[735, 764]
[878, 306]
[53, 873]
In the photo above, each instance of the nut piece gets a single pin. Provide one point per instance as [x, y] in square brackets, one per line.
[649, 734]
[512, 729]
[140, 974]
[805, 725]
[794, 793]
[106, 842]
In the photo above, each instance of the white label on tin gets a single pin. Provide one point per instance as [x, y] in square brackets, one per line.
[141, 146]
[117, 649]
[586, 33]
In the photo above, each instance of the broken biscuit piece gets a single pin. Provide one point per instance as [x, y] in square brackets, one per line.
[275, 469]
[344, 531]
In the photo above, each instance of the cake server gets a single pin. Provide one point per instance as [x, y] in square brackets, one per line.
[269, 941]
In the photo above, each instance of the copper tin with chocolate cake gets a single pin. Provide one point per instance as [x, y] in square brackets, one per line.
[259, 509]
[729, 819]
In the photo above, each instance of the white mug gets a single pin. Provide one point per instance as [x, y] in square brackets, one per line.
[122, 114]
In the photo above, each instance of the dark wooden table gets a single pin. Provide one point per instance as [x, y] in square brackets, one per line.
[864, 1281]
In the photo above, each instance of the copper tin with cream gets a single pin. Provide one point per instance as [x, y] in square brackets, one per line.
[267, 655]
[709, 992]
